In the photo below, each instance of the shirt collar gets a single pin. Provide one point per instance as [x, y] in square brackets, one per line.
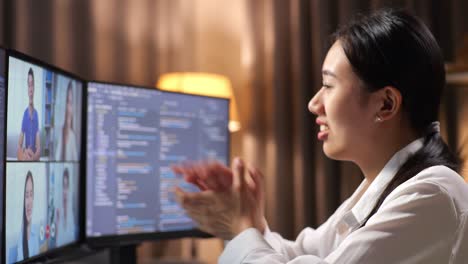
[366, 202]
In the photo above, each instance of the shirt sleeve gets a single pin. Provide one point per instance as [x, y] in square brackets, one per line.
[416, 225]
[23, 123]
[310, 241]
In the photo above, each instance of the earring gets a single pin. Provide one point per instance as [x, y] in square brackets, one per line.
[378, 119]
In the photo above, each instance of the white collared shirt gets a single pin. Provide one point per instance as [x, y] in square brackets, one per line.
[424, 220]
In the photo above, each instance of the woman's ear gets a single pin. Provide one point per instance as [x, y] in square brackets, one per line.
[389, 102]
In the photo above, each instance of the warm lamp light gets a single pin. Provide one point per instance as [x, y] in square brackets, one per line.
[202, 84]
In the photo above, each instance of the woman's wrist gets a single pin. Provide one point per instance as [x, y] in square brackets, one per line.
[262, 227]
[243, 224]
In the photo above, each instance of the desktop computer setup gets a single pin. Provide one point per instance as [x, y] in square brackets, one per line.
[88, 162]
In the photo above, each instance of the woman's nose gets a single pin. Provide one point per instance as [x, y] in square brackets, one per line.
[315, 105]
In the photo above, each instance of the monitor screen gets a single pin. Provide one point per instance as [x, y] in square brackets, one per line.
[134, 135]
[2, 135]
[42, 159]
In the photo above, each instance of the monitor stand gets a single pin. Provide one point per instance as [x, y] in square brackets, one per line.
[124, 254]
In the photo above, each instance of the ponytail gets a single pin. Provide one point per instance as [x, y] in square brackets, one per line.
[434, 152]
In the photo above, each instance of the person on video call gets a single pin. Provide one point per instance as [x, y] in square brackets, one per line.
[383, 79]
[66, 145]
[29, 136]
[65, 221]
[29, 240]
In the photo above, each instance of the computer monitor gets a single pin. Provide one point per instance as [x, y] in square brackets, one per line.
[2, 135]
[134, 135]
[43, 154]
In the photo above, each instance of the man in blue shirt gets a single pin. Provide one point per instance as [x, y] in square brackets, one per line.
[30, 127]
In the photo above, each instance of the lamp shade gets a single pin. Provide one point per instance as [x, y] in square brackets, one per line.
[207, 84]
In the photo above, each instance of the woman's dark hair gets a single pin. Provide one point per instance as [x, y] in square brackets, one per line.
[25, 226]
[66, 175]
[394, 48]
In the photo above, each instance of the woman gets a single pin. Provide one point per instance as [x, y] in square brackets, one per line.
[29, 242]
[65, 220]
[378, 105]
[66, 145]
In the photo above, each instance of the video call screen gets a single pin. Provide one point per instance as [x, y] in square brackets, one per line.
[133, 137]
[2, 131]
[42, 160]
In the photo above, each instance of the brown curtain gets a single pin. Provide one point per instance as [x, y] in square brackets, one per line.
[289, 40]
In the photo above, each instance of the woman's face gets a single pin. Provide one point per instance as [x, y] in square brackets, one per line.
[342, 106]
[29, 199]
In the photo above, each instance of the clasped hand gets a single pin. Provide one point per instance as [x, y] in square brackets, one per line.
[229, 201]
[28, 154]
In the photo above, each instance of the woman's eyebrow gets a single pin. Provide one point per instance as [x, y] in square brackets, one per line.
[329, 73]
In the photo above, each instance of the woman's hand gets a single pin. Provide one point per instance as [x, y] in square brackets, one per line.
[209, 175]
[229, 202]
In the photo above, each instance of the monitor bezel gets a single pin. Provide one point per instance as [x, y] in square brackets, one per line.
[56, 252]
[3, 178]
[128, 239]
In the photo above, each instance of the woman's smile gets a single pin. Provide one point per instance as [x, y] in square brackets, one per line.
[324, 129]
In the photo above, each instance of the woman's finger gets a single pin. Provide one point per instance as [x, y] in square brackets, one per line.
[238, 174]
[194, 199]
[250, 181]
[179, 195]
[189, 175]
[222, 174]
[258, 180]
[182, 170]
[178, 169]
[194, 176]
[207, 176]
[201, 184]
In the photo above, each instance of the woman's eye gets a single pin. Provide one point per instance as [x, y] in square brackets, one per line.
[326, 85]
